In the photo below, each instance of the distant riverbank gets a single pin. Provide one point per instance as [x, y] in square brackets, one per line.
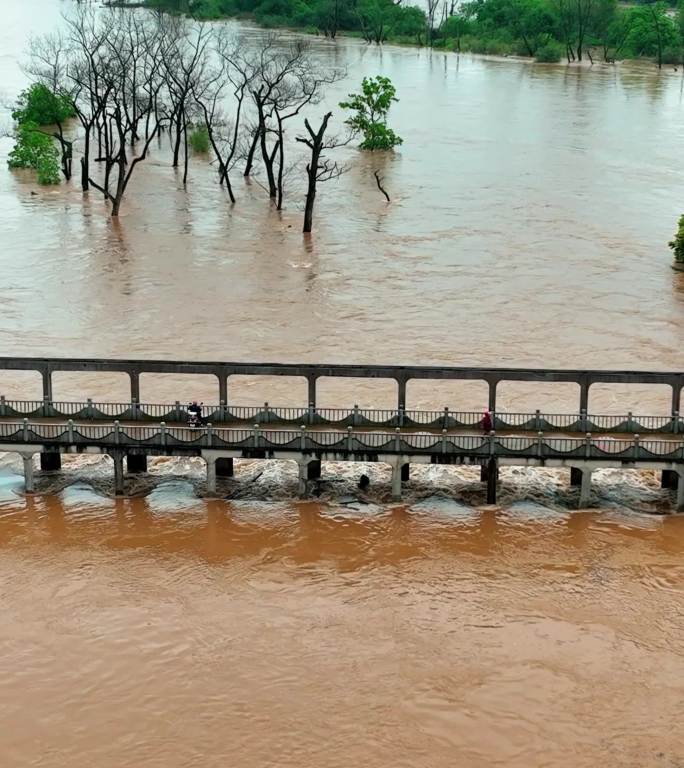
[528, 29]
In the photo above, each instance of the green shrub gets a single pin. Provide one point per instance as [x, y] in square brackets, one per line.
[199, 139]
[371, 108]
[551, 53]
[33, 149]
[677, 244]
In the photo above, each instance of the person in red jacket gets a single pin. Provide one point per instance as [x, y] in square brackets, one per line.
[486, 422]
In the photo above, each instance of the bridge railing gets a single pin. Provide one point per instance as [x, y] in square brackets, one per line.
[343, 417]
[161, 437]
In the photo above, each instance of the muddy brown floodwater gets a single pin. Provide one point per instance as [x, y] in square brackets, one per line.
[530, 214]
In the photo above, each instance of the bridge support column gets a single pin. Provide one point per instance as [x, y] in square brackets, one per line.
[669, 478]
[29, 483]
[47, 386]
[136, 463]
[585, 488]
[575, 476]
[303, 464]
[397, 472]
[584, 396]
[492, 470]
[135, 387]
[211, 474]
[401, 394]
[680, 493]
[224, 467]
[492, 396]
[117, 458]
[676, 398]
[312, 389]
[223, 388]
[50, 462]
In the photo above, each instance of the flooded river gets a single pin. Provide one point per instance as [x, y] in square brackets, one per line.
[531, 208]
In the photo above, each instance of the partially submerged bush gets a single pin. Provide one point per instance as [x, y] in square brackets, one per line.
[677, 244]
[550, 53]
[199, 139]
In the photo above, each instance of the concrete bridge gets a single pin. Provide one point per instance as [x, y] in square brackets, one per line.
[116, 429]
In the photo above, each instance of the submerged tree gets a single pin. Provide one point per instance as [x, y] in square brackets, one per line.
[371, 108]
[319, 168]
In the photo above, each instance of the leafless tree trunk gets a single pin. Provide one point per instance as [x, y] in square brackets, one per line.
[318, 168]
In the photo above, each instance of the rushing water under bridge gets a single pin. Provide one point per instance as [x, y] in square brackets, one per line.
[445, 437]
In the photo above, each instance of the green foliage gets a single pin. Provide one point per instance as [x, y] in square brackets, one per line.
[500, 27]
[39, 105]
[199, 139]
[371, 108]
[34, 149]
[677, 244]
[551, 53]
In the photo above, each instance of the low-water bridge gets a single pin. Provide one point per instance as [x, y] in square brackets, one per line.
[439, 437]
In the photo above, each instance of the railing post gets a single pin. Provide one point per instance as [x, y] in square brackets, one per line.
[540, 443]
[587, 445]
[267, 419]
[210, 435]
[25, 430]
[117, 430]
[397, 439]
[178, 411]
[255, 435]
[537, 420]
[311, 413]
[302, 438]
[583, 420]
[90, 411]
[445, 423]
[492, 436]
[71, 431]
[675, 422]
[162, 427]
[355, 416]
[3, 406]
[630, 421]
[222, 410]
[444, 444]
[349, 439]
[635, 449]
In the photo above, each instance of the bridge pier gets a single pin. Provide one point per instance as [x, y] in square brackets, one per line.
[117, 458]
[585, 488]
[211, 474]
[492, 469]
[397, 471]
[29, 481]
[679, 505]
[669, 478]
[50, 461]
